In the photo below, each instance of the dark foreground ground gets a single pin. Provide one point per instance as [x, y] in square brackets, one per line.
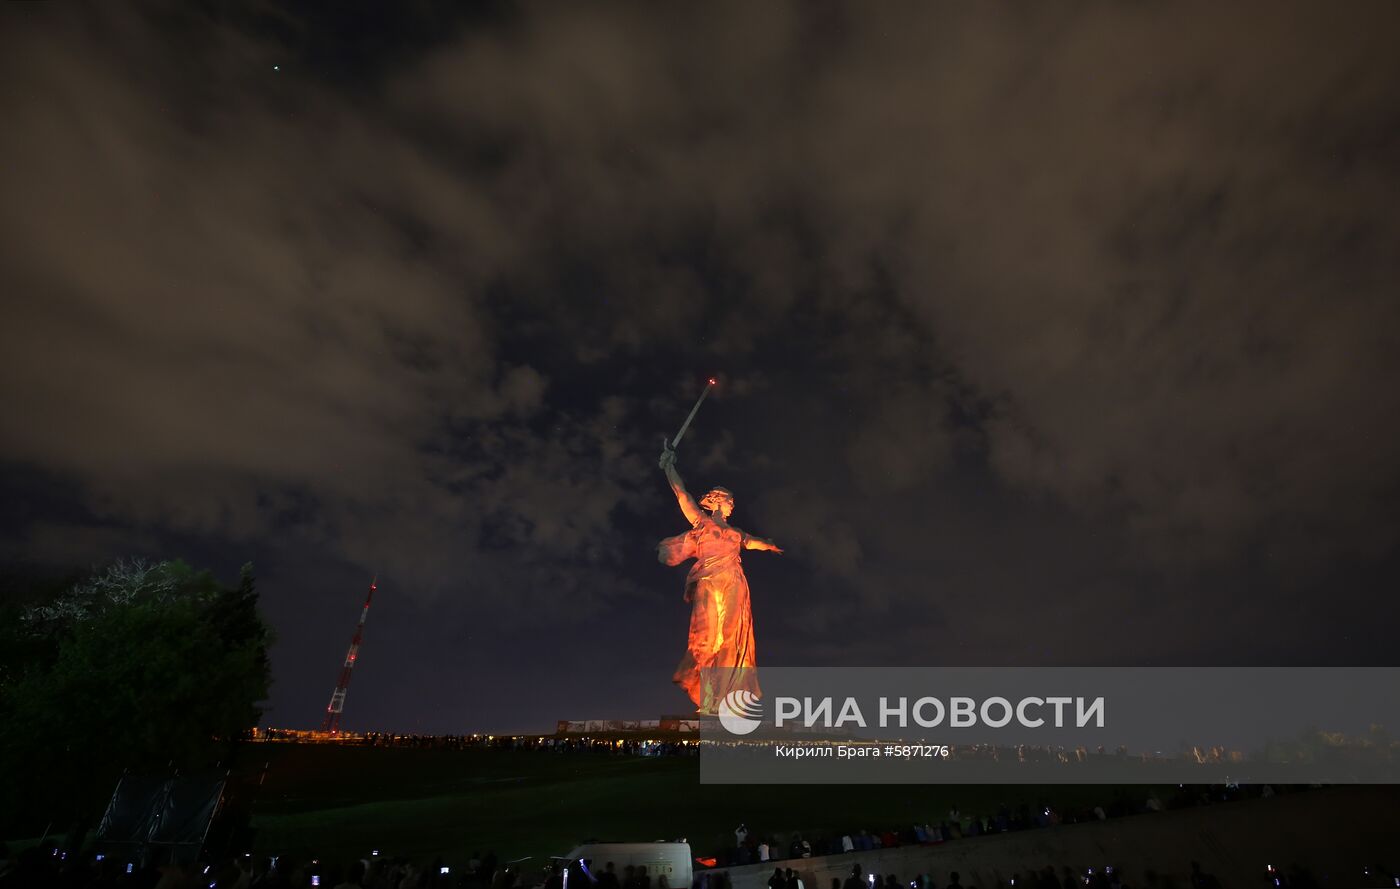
[340, 804]
[345, 802]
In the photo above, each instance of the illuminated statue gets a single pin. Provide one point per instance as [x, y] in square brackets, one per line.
[720, 655]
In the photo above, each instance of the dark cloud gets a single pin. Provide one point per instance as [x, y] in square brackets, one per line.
[1087, 315]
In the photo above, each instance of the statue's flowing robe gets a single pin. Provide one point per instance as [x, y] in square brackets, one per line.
[719, 656]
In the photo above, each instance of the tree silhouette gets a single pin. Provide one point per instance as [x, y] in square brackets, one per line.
[141, 666]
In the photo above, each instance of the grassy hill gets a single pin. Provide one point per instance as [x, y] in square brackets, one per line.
[342, 802]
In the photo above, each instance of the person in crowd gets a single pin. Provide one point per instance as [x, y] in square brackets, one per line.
[847, 844]
[264, 876]
[794, 881]
[608, 878]
[777, 881]
[763, 851]
[856, 880]
[741, 834]
[355, 879]
[953, 881]
[1202, 880]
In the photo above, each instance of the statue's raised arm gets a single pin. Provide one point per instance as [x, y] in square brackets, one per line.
[689, 507]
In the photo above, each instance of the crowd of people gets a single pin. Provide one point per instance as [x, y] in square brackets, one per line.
[42, 867]
[751, 847]
[398, 873]
[1052, 877]
[47, 867]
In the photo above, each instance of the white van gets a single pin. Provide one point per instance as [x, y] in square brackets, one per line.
[669, 860]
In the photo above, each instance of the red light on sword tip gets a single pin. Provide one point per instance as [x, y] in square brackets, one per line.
[714, 382]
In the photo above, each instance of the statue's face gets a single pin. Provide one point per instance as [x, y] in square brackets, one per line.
[719, 503]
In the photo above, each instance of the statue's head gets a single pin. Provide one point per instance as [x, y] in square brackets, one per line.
[720, 500]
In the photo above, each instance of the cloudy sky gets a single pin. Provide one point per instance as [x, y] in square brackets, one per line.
[1045, 335]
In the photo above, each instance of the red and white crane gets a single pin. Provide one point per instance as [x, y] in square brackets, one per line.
[337, 705]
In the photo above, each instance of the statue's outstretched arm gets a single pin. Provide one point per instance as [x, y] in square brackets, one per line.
[692, 510]
[759, 543]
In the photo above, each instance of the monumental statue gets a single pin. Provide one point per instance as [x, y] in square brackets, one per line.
[719, 655]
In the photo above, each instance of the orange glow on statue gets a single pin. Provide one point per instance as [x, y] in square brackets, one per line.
[719, 656]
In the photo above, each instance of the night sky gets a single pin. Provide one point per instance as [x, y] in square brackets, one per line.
[1045, 334]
